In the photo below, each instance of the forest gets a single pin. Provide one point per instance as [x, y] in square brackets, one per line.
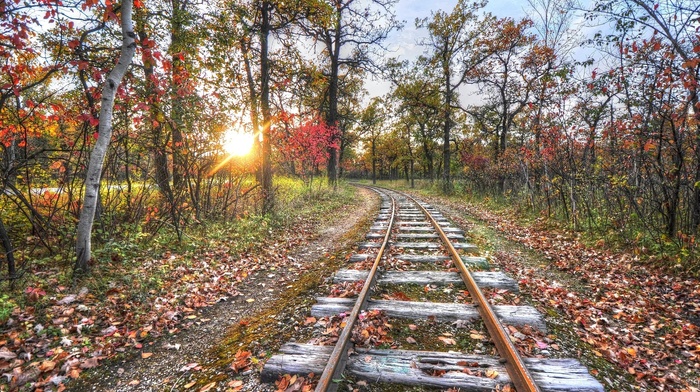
[603, 142]
[129, 125]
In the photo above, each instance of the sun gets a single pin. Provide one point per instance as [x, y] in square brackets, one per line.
[238, 143]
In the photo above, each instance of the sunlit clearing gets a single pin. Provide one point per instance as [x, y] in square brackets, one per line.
[238, 143]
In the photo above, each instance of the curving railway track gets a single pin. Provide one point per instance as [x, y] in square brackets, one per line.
[411, 244]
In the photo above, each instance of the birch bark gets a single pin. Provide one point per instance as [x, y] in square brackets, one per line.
[92, 181]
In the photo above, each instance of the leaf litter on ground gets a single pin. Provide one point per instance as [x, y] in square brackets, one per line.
[643, 319]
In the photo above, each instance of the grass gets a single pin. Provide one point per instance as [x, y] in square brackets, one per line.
[127, 263]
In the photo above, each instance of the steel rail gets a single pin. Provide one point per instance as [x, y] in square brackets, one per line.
[519, 375]
[336, 362]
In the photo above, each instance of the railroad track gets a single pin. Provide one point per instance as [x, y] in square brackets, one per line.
[412, 245]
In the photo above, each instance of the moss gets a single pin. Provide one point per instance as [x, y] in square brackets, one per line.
[425, 335]
[414, 292]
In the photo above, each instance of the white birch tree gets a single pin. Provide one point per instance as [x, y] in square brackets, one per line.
[94, 171]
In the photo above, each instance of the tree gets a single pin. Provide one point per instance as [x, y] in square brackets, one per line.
[23, 98]
[306, 146]
[370, 128]
[505, 73]
[671, 23]
[350, 35]
[94, 171]
[261, 19]
[451, 37]
[418, 106]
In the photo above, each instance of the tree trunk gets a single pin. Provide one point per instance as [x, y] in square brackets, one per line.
[695, 206]
[9, 251]
[254, 107]
[447, 125]
[266, 172]
[374, 162]
[177, 98]
[332, 114]
[160, 155]
[94, 171]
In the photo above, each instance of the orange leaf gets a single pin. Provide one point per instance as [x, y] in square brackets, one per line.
[47, 366]
[208, 387]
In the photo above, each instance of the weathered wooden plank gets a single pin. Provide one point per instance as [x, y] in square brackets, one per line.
[374, 236]
[416, 245]
[420, 258]
[470, 261]
[428, 236]
[476, 262]
[410, 229]
[483, 279]
[467, 247]
[411, 223]
[358, 257]
[410, 367]
[471, 248]
[389, 366]
[420, 229]
[369, 245]
[422, 219]
[423, 236]
[449, 312]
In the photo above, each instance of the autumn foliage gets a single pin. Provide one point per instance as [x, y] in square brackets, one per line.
[304, 146]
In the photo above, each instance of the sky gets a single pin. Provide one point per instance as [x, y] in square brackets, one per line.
[404, 43]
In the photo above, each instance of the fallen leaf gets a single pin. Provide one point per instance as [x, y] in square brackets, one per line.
[411, 340]
[146, 355]
[47, 366]
[447, 341]
[7, 354]
[89, 363]
[208, 387]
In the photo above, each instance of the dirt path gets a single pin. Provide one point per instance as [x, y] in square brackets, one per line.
[160, 369]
